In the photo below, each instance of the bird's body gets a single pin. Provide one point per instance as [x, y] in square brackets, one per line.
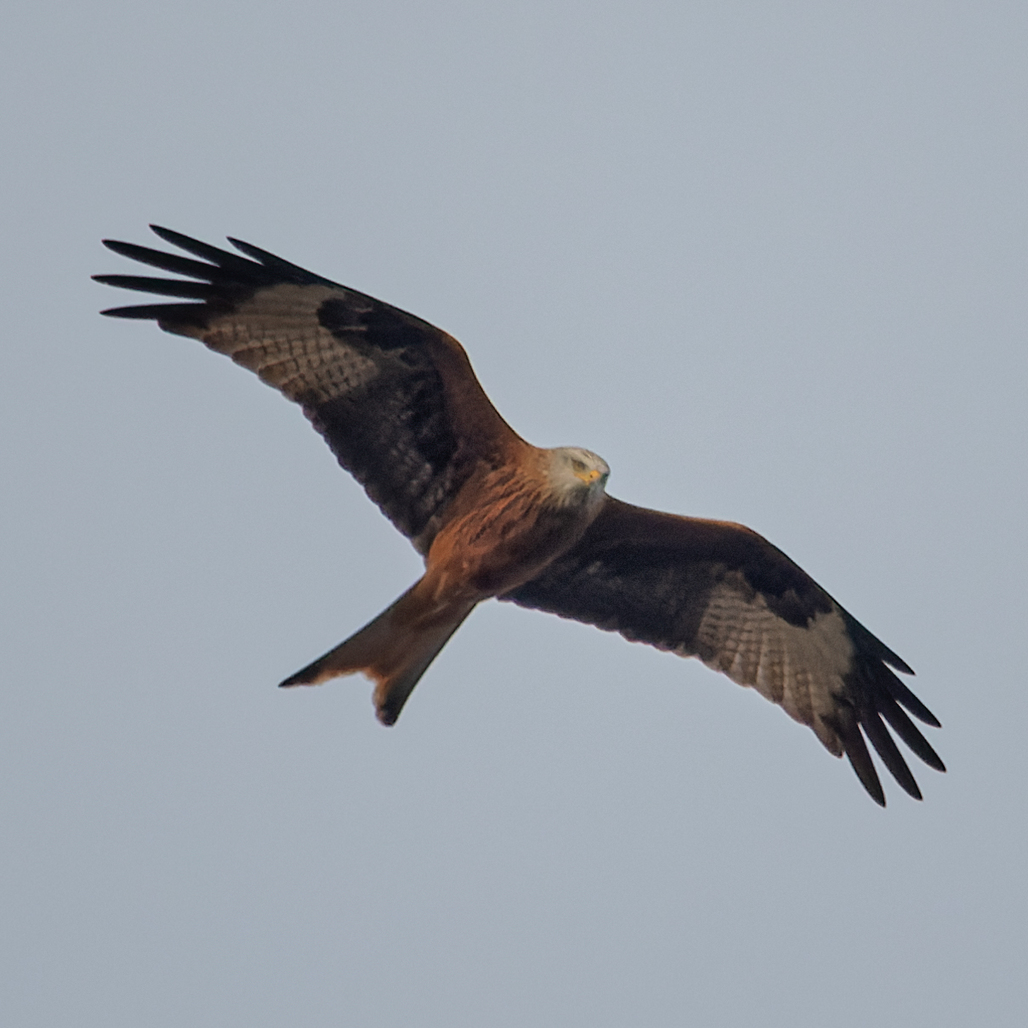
[493, 516]
[538, 508]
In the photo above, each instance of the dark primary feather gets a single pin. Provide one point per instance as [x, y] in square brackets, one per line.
[393, 396]
[723, 593]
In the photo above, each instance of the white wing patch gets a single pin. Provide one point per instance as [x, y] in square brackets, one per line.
[800, 668]
[277, 334]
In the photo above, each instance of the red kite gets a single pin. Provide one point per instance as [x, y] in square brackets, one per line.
[492, 515]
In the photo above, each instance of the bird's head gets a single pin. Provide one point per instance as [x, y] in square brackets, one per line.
[577, 475]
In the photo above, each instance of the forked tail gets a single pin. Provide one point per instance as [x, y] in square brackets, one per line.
[394, 650]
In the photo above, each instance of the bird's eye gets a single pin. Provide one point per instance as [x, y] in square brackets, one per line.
[578, 465]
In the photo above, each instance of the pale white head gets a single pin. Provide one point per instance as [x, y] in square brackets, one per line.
[577, 475]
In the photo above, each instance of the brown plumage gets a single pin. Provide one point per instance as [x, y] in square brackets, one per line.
[398, 403]
[501, 529]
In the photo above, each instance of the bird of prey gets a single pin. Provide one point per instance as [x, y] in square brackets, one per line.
[493, 516]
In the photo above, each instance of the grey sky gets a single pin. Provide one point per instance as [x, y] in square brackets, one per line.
[768, 260]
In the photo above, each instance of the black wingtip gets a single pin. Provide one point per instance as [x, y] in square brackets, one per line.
[279, 264]
[138, 313]
[875, 791]
[122, 249]
[860, 761]
[169, 235]
[230, 275]
[900, 665]
[878, 735]
[855, 748]
[248, 248]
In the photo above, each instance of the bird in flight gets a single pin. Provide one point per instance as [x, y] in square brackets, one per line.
[493, 516]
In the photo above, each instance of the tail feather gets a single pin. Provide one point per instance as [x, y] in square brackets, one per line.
[394, 651]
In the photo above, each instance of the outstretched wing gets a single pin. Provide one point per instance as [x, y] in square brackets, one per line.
[720, 592]
[394, 397]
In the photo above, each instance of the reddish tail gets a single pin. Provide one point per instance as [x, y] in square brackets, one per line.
[394, 650]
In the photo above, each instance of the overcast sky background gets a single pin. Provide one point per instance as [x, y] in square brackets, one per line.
[768, 260]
